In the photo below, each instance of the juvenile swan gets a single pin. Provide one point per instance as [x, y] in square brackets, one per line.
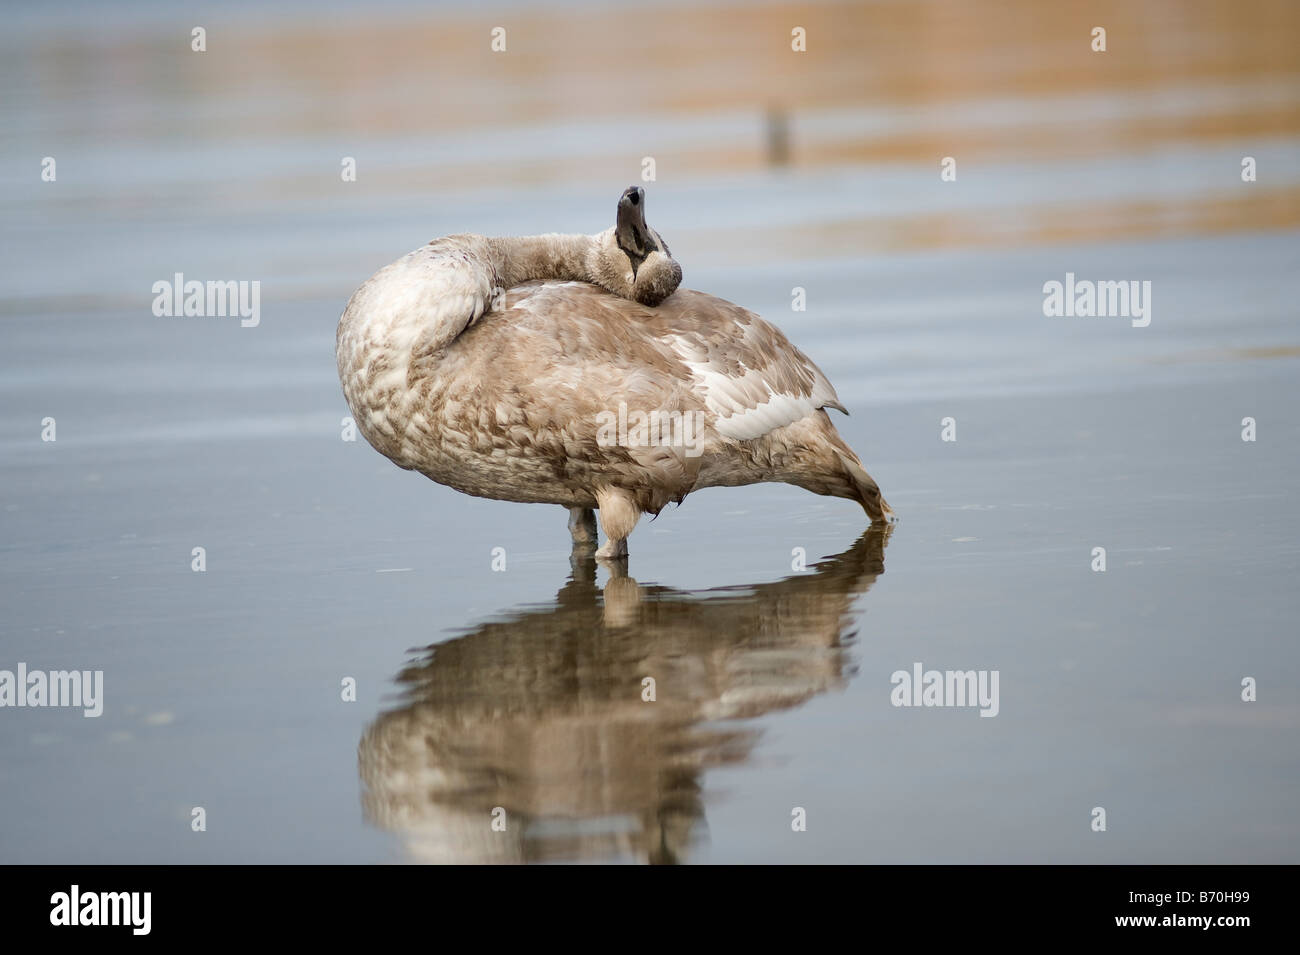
[559, 392]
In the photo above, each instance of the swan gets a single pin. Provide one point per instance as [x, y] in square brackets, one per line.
[572, 370]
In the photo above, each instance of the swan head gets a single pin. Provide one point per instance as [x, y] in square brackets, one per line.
[631, 259]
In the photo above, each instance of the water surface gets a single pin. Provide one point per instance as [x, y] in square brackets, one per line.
[771, 620]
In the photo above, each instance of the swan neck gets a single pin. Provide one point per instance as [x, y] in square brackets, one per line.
[525, 258]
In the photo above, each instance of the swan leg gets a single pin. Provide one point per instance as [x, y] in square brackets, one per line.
[618, 516]
[582, 525]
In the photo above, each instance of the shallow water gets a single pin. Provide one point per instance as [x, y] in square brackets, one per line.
[522, 687]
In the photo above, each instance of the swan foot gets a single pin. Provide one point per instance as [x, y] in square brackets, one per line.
[618, 515]
[613, 550]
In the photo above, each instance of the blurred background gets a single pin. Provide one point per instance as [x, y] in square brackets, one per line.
[772, 170]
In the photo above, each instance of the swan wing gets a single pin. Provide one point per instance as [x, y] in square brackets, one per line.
[692, 352]
[748, 373]
[542, 384]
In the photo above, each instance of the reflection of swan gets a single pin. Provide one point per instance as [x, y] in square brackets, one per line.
[541, 713]
[516, 405]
